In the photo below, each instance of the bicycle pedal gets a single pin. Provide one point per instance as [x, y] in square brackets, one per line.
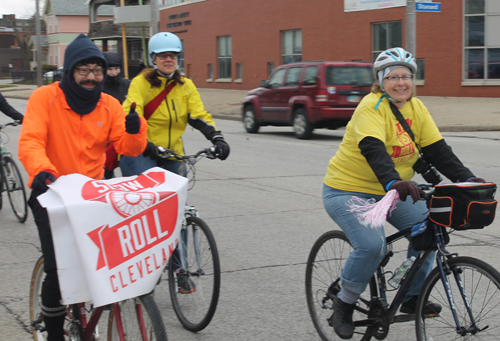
[37, 326]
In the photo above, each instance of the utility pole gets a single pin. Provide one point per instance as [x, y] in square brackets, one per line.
[411, 32]
[154, 17]
[39, 45]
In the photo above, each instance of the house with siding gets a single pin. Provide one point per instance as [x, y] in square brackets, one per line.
[65, 20]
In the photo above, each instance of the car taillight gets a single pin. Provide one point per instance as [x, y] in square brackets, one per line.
[321, 97]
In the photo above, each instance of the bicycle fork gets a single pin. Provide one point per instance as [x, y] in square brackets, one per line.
[190, 211]
[445, 270]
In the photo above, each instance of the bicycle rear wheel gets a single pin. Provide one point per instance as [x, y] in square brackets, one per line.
[324, 265]
[481, 284]
[14, 187]
[196, 309]
[140, 318]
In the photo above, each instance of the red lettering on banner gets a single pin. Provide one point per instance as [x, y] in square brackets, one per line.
[156, 265]
[147, 265]
[97, 188]
[164, 260]
[113, 287]
[130, 274]
[139, 267]
[121, 280]
[135, 235]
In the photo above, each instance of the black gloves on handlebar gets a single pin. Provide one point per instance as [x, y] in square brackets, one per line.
[42, 180]
[151, 151]
[221, 148]
[406, 188]
[132, 121]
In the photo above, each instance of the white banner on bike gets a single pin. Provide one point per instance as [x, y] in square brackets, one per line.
[113, 238]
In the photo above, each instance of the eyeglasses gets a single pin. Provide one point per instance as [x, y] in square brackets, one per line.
[164, 56]
[395, 79]
[85, 72]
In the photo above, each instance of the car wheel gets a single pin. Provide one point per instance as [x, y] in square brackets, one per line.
[301, 126]
[250, 120]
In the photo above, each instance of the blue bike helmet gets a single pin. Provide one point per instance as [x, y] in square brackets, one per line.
[163, 42]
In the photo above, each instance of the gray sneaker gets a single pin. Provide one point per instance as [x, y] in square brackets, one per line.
[185, 284]
[342, 318]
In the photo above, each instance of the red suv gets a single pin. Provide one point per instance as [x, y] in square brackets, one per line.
[308, 95]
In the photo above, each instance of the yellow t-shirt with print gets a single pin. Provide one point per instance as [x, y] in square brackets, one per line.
[348, 170]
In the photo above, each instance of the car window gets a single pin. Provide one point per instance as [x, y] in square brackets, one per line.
[277, 78]
[311, 75]
[349, 75]
[292, 77]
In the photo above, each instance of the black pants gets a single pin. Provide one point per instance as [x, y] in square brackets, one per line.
[53, 311]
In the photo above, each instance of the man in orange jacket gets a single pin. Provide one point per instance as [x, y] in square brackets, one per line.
[66, 129]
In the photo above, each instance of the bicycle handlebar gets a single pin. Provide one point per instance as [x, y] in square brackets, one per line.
[168, 153]
[11, 123]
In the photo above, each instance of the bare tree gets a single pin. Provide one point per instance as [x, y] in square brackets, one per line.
[23, 35]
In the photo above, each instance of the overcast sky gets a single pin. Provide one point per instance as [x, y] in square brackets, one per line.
[23, 9]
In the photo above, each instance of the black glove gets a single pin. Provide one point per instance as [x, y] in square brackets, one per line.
[221, 148]
[406, 188]
[481, 180]
[41, 181]
[151, 151]
[132, 121]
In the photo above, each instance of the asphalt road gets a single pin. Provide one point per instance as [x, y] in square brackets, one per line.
[265, 209]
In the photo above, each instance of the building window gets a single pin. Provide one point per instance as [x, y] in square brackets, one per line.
[481, 39]
[224, 56]
[270, 69]
[239, 71]
[291, 46]
[386, 35]
[171, 2]
[421, 69]
[210, 72]
[134, 48]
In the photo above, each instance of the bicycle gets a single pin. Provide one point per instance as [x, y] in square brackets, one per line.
[130, 320]
[11, 180]
[469, 292]
[199, 262]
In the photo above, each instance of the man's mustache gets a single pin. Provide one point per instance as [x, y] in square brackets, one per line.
[95, 83]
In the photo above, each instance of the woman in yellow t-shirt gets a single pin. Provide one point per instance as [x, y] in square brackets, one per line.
[377, 155]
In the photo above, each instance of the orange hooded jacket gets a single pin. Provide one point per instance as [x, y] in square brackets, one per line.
[55, 138]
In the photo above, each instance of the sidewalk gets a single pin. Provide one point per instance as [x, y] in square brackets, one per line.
[449, 113]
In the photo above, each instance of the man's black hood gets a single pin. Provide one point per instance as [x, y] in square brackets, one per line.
[81, 100]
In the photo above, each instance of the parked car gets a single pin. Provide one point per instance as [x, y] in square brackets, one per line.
[308, 95]
[55, 75]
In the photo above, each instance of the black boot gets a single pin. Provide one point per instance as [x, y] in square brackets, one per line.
[410, 306]
[342, 318]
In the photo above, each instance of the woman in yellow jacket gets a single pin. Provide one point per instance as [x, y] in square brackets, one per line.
[169, 102]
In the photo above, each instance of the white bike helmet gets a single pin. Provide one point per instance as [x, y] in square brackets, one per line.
[163, 42]
[396, 56]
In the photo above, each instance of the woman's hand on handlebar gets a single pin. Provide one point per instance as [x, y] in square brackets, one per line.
[406, 188]
[151, 151]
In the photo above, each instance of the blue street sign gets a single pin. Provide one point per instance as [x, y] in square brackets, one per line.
[428, 7]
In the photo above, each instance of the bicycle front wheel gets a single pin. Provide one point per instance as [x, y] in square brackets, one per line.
[139, 318]
[196, 308]
[13, 184]
[36, 317]
[481, 285]
[324, 265]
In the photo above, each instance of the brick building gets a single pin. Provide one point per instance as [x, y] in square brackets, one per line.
[232, 44]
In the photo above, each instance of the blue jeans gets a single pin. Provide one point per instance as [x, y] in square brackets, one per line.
[136, 165]
[369, 243]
